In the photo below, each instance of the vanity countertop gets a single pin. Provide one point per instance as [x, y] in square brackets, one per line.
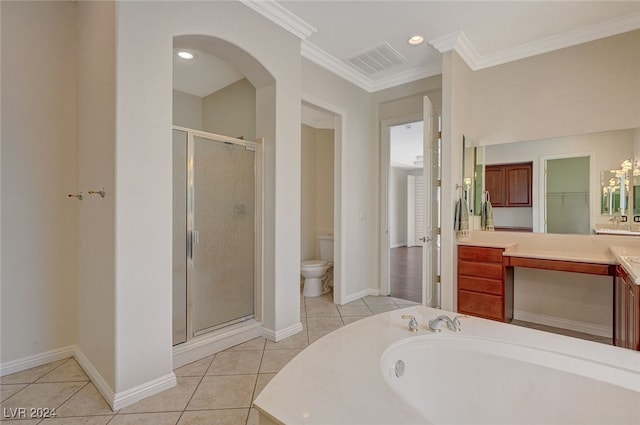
[592, 249]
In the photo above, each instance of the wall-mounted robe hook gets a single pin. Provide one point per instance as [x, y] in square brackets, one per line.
[77, 195]
[100, 192]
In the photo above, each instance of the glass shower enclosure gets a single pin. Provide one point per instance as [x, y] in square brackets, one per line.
[214, 232]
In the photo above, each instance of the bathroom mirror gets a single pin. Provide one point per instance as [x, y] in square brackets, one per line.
[635, 191]
[473, 172]
[614, 185]
[605, 150]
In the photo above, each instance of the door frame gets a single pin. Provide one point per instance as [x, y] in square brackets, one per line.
[385, 165]
[540, 213]
[339, 204]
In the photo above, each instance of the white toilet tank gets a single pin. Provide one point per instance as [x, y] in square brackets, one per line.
[326, 247]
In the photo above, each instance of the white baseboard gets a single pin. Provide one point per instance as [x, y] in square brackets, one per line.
[276, 336]
[35, 360]
[214, 342]
[130, 396]
[589, 328]
[399, 245]
[96, 378]
[361, 294]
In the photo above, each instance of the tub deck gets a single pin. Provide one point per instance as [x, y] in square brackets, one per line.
[338, 379]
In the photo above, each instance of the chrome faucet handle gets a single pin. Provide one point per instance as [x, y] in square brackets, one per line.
[434, 325]
[413, 323]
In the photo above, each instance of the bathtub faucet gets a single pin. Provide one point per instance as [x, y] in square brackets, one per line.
[413, 323]
[453, 325]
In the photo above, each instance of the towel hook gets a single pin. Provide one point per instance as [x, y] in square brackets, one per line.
[100, 192]
[77, 195]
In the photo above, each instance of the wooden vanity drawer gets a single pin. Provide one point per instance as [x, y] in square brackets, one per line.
[478, 284]
[476, 253]
[483, 305]
[485, 270]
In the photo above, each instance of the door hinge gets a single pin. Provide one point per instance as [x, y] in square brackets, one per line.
[439, 134]
[438, 231]
[438, 278]
[438, 183]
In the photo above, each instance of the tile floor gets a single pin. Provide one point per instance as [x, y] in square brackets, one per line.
[215, 390]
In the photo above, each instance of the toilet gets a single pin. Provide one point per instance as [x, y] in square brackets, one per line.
[318, 273]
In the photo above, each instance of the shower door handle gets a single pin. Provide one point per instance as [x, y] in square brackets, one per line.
[194, 239]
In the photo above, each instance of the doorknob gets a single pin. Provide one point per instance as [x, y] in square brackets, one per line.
[425, 239]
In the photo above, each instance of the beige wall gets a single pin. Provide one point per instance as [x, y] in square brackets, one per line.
[187, 110]
[39, 234]
[317, 189]
[96, 169]
[231, 111]
[587, 88]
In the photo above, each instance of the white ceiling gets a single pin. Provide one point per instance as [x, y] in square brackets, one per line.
[484, 33]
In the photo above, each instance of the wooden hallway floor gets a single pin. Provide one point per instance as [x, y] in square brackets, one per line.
[406, 273]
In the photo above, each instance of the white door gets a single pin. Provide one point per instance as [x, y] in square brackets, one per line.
[431, 175]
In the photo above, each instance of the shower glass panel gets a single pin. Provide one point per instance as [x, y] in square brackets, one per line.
[179, 236]
[222, 233]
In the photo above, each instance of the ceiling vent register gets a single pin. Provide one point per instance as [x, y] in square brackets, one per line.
[376, 59]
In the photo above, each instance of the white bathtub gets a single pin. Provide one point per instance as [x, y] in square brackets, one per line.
[465, 380]
[489, 373]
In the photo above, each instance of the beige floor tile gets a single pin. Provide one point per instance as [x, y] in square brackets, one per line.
[172, 400]
[252, 345]
[83, 420]
[299, 340]
[254, 417]
[86, 402]
[235, 363]
[403, 303]
[383, 308]
[45, 395]
[31, 375]
[274, 360]
[214, 417]
[224, 392]
[316, 335]
[21, 422]
[348, 320]
[263, 380]
[356, 302]
[197, 368]
[324, 323]
[373, 300]
[170, 418]
[69, 371]
[7, 391]
[322, 310]
[354, 310]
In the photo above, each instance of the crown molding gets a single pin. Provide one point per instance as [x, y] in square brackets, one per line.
[459, 42]
[279, 15]
[586, 34]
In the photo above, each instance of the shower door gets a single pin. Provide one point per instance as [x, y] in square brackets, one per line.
[220, 232]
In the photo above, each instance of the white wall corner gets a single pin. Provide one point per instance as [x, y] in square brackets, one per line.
[122, 399]
[276, 336]
[361, 294]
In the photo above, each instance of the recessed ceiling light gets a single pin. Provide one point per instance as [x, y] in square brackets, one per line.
[415, 40]
[185, 54]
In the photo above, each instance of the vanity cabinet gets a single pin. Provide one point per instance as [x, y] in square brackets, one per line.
[485, 288]
[509, 185]
[626, 311]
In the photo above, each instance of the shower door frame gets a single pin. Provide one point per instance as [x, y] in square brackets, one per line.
[258, 227]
